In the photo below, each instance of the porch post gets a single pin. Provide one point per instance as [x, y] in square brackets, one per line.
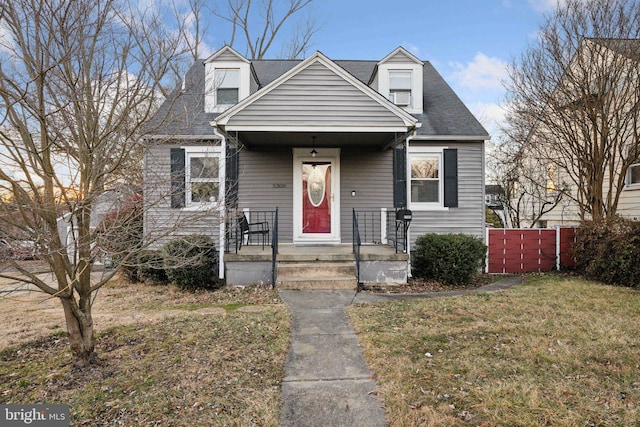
[383, 226]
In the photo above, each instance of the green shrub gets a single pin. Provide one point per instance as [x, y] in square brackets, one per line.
[451, 259]
[192, 262]
[609, 251]
[151, 267]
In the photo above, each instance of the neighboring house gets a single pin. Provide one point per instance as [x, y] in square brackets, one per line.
[493, 196]
[551, 192]
[111, 200]
[334, 147]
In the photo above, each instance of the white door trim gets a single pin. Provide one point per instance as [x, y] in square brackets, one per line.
[301, 155]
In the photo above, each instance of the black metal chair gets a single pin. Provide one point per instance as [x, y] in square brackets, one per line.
[249, 229]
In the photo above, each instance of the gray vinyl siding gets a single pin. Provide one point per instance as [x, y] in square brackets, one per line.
[161, 222]
[227, 57]
[399, 58]
[468, 217]
[319, 97]
[265, 182]
[368, 172]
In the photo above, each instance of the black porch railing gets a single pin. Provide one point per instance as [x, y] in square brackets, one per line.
[250, 228]
[357, 242]
[381, 227]
[274, 251]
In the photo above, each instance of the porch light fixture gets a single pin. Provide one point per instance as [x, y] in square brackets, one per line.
[313, 148]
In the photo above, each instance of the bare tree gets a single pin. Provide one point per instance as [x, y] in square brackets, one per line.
[77, 80]
[577, 89]
[528, 193]
[259, 26]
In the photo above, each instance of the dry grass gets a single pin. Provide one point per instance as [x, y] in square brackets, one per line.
[555, 351]
[210, 358]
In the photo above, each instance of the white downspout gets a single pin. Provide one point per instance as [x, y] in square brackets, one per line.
[223, 203]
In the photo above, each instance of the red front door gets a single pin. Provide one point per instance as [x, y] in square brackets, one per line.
[316, 197]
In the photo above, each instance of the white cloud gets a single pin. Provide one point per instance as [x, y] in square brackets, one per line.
[491, 115]
[483, 72]
[6, 39]
[544, 5]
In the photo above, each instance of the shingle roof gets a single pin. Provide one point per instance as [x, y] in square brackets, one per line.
[444, 113]
[626, 47]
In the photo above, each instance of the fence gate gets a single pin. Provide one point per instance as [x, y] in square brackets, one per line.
[527, 250]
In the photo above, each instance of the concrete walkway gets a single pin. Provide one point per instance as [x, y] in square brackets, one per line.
[327, 380]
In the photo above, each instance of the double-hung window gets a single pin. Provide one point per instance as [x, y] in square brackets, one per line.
[552, 178]
[633, 176]
[400, 87]
[426, 182]
[227, 81]
[202, 178]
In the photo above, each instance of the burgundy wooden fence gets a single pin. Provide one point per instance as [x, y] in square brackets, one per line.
[527, 250]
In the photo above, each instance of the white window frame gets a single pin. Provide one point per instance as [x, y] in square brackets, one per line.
[395, 91]
[415, 103]
[191, 152]
[220, 77]
[632, 185]
[430, 152]
[244, 82]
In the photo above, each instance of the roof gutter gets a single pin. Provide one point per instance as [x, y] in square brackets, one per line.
[452, 137]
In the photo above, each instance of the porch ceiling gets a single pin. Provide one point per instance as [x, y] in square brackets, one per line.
[259, 140]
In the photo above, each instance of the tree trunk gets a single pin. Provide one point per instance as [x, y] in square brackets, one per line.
[80, 330]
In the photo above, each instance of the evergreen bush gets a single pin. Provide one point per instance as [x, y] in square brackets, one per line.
[151, 267]
[451, 259]
[192, 262]
[609, 251]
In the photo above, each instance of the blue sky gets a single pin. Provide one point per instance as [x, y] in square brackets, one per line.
[470, 42]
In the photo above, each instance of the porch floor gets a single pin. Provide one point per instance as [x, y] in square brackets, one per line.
[291, 252]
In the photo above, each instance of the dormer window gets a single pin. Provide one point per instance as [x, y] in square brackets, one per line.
[227, 80]
[228, 86]
[399, 79]
[400, 87]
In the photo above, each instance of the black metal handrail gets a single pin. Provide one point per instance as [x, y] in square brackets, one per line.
[371, 232]
[357, 242]
[274, 251]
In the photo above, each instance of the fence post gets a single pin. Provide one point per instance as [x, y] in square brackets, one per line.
[558, 247]
[486, 259]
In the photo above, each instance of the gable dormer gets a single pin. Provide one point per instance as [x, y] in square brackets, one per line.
[227, 81]
[399, 79]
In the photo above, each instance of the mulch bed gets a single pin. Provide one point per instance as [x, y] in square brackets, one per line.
[419, 286]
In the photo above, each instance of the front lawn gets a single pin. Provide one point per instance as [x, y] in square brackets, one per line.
[555, 351]
[210, 358]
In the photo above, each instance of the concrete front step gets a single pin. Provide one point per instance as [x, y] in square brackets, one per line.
[313, 273]
[325, 282]
[316, 269]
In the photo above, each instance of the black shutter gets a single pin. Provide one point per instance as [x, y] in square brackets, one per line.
[451, 178]
[231, 178]
[177, 178]
[399, 177]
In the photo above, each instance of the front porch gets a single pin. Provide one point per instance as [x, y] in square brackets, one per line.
[316, 267]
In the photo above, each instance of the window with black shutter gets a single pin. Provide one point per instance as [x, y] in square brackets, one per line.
[177, 178]
[450, 177]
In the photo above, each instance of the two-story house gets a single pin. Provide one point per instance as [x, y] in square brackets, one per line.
[589, 128]
[285, 161]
